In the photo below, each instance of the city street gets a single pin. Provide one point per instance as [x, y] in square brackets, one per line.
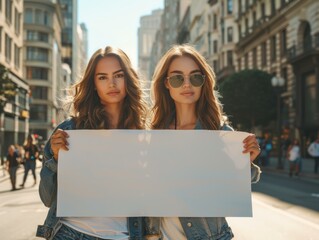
[283, 208]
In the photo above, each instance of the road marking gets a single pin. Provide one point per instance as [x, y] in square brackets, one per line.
[315, 195]
[304, 221]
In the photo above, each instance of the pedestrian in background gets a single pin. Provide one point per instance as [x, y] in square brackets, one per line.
[109, 96]
[313, 151]
[266, 147]
[31, 154]
[294, 157]
[184, 98]
[285, 143]
[12, 165]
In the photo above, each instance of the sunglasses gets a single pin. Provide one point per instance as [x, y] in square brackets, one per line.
[176, 81]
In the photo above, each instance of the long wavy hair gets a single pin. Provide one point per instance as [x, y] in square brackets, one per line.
[86, 108]
[208, 108]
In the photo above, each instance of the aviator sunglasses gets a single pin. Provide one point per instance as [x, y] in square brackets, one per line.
[196, 79]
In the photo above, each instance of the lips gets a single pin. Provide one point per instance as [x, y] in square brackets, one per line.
[113, 93]
[187, 93]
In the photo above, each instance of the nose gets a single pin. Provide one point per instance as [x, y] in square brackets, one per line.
[186, 82]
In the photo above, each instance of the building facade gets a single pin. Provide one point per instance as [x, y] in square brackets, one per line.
[14, 109]
[149, 25]
[280, 37]
[43, 24]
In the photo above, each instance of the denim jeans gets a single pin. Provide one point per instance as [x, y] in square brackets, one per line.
[13, 176]
[29, 165]
[67, 233]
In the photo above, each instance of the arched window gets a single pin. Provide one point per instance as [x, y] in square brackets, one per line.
[307, 42]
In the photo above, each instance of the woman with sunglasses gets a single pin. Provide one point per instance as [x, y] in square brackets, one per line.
[184, 98]
[108, 96]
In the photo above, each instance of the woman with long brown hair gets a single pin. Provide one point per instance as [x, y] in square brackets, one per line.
[184, 96]
[108, 96]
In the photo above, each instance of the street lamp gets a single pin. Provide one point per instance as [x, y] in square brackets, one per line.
[278, 84]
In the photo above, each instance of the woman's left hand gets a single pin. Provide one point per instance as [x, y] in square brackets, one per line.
[251, 146]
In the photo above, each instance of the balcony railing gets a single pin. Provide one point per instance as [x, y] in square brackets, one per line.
[212, 2]
[304, 47]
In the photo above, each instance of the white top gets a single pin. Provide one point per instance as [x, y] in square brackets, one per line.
[313, 149]
[294, 153]
[106, 228]
[172, 228]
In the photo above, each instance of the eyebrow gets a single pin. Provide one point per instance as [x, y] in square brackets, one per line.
[103, 74]
[180, 72]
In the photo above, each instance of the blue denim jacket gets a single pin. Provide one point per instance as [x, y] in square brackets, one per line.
[139, 228]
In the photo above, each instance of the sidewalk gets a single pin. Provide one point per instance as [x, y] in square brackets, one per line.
[306, 172]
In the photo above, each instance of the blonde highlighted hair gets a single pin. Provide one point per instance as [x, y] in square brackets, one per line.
[86, 108]
[208, 108]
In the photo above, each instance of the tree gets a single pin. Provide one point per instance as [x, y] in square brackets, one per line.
[248, 98]
[7, 87]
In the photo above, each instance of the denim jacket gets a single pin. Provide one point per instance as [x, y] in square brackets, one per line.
[139, 228]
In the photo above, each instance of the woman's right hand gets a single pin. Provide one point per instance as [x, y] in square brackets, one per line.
[59, 141]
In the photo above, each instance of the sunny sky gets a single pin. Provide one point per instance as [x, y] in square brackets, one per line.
[115, 22]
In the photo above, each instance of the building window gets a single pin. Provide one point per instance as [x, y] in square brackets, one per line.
[239, 64]
[230, 34]
[28, 18]
[38, 113]
[273, 48]
[247, 25]
[215, 21]
[273, 7]
[0, 39]
[229, 6]
[46, 20]
[16, 56]
[215, 65]
[246, 61]
[9, 11]
[311, 100]
[39, 92]
[284, 75]
[255, 58]
[37, 36]
[37, 54]
[17, 17]
[263, 10]
[8, 47]
[37, 73]
[264, 54]
[215, 46]
[239, 31]
[283, 43]
[230, 58]
[38, 16]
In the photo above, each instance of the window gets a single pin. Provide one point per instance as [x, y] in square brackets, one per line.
[229, 58]
[283, 39]
[255, 58]
[273, 48]
[239, 31]
[264, 54]
[9, 11]
[0, 39]
[8, 48]
[311, 100]
[16, 56]
[229, 6]
[38, 16]
[28, 18]
[246, 61]
[273, 7]
[230, 34]
[37, 54]
[39, 92]
[38, 113]
[263, 10]
[239, 64]
[17, 17]
[215, 21]
[215, 46]
[37, 36]
[37, 73]
[46, 20]
[246, 25]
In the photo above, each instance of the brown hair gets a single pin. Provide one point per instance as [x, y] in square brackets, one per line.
[208, 107]
[86, 108]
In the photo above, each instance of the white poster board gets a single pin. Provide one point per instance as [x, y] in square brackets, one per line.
[117, 173]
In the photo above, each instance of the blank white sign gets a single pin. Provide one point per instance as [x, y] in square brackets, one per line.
[117, 173]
